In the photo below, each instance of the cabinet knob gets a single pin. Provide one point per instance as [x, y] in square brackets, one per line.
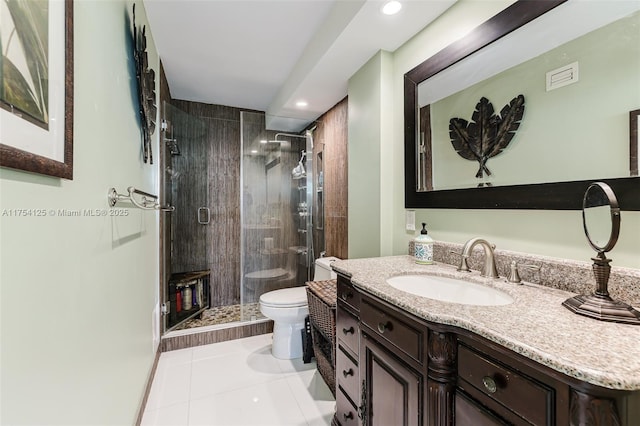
[384, 326]
[348, 416]
[349, 330]
[346, 296]
[489, 384]
[347, 373]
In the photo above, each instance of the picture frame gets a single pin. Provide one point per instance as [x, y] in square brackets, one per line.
[634, 130]
[47, 148]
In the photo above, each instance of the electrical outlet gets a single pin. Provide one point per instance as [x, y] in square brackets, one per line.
[410, 220]
[155, 328]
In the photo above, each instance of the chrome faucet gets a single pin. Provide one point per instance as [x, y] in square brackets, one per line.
[489, 269]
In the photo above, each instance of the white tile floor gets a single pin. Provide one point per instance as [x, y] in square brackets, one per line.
[238, 383]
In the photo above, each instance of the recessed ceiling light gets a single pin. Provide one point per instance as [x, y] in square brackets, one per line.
[391, 7]
[301, 104]
[254, 151]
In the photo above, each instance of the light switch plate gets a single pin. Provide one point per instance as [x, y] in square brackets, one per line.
[410, 220]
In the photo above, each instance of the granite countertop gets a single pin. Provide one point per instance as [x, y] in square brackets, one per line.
[535, 325]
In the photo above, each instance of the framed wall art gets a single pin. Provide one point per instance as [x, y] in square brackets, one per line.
[36, 86]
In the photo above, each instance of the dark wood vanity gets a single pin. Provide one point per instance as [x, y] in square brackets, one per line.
[394, 368]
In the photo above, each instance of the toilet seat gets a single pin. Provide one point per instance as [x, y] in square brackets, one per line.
[285, 298]
[267, 274]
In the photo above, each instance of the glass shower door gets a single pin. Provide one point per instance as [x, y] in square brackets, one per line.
[186, 188]
[274, 212]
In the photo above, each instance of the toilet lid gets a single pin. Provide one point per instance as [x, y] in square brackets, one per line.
[286, 297]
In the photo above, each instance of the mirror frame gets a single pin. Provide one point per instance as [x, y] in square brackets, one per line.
[547, 196]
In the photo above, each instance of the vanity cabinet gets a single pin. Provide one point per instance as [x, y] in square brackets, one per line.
[392, 394]
[392, 366]
[347, 354]
[397, 369]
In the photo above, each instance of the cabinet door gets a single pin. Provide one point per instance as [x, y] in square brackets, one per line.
[393, 391]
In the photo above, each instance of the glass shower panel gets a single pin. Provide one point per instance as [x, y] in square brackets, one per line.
[186, 187]
[275, 211]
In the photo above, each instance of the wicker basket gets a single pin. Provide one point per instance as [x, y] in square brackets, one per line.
[322, 296]
[324, 353]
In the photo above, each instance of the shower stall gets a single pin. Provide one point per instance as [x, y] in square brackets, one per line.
[242, 224]
[277, 249]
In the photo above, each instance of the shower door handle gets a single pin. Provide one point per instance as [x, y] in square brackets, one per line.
[208, 215]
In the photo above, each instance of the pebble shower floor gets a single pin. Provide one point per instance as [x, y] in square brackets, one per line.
[224, 315]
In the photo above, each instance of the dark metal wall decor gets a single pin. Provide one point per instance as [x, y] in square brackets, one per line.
[146, 79]
[488, 134]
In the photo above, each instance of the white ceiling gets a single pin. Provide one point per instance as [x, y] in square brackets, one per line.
[268, 54]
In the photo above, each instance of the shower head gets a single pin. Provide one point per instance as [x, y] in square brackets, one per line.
[298, 171]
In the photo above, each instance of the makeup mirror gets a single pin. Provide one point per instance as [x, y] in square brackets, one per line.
[601, 217]
[601, 221]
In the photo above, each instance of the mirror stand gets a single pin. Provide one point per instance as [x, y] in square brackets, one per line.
[600, 305]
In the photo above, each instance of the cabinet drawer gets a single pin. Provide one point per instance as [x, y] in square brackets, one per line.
[470, 413]
[347, 294]
[346, 412]
[348, 330]
[347, 374]
[388, 327]
[529, 399]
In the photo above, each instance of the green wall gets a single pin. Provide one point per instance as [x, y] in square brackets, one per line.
[364, 156]
[550, 233]
[78, 294]
[592, 114]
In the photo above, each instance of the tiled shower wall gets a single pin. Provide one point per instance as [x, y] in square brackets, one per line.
[330, 141]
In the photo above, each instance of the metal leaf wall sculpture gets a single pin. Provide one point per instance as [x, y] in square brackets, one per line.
[146, 78]
[488, 134]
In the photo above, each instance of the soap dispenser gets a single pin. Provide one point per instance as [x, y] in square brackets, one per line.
[423, 247]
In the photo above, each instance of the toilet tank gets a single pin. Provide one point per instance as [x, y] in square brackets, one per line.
[323, 269]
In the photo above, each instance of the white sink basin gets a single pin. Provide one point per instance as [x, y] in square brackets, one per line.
[450, 290]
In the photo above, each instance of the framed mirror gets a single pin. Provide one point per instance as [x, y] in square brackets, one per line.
[546, 192]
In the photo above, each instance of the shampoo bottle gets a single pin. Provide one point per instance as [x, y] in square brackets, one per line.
[423, 251]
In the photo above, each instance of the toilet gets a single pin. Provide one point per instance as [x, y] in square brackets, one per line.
[288, 308]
